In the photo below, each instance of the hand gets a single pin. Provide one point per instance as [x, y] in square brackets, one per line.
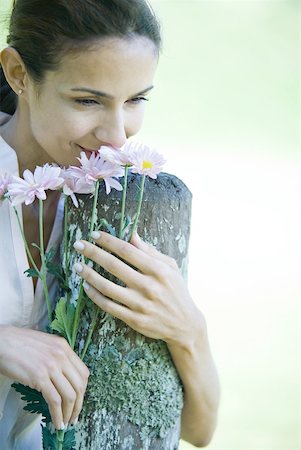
[46, 363]
[155, 301]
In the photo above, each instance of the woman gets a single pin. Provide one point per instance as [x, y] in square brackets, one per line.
[76, 76]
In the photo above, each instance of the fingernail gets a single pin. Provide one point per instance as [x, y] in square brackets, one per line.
[86, 286]
[66, 425]
[78, 267]
[137, 236]
[78, 245]
[95, 234]
[75, 421]
[62, 426]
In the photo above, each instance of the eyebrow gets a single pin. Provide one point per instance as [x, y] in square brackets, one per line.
[103, 94]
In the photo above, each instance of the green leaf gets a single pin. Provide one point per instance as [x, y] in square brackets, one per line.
[49, 439]
[69, 440]
[36, 403]
[32, 273]
[111, 230]
[128, 221]
[104, 223]
[64, 318]
[65, 287]
[55, 269]
[126, 226]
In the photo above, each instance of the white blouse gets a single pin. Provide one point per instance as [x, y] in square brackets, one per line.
[20, 306]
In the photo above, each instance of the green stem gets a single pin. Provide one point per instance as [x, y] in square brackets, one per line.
[81, 289]
[134, 228]
[60, 434]
[91, 329]
[25, 242]
[77, 314]
[126, 170]
[43, 262]
[66, 243]
[93, 218]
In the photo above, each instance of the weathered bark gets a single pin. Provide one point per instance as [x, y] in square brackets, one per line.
[134, 396]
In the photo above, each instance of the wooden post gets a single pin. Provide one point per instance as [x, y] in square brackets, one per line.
[134, 396]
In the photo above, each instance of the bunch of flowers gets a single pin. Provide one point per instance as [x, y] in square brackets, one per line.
[106, 165]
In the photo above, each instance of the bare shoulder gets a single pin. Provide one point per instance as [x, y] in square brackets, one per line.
[4, 118]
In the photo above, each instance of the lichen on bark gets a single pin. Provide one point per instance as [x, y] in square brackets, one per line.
[141, 381]
[134, 396]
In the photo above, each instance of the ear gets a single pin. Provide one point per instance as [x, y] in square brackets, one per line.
[14, 69]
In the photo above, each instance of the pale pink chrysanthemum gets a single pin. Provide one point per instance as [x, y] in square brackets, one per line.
[147, 161]
[97, 168]
[34, 184]
[5, 179]
[122, 156]
[74, 185]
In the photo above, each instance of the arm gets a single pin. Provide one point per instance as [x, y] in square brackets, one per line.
[194, 363]
[156, 303]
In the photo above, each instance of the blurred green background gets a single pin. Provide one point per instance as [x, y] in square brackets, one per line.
[226, 113]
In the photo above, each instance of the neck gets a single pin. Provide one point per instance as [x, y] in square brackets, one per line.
[18, 137]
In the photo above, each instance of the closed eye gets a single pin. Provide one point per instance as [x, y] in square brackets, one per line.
[86, 101]
[91, 102]
[136, 100]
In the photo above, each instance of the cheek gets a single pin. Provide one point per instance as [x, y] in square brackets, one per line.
[134, 122]
[58, 128]
[55, 120]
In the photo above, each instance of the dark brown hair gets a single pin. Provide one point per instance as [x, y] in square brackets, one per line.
[43, 31]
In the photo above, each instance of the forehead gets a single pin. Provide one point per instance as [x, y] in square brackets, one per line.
[111, 63]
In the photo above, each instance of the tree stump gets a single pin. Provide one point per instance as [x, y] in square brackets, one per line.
[134, 397]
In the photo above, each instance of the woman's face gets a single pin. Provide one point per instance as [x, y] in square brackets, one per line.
[96, 97]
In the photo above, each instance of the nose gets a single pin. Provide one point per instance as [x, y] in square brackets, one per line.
[112, 130]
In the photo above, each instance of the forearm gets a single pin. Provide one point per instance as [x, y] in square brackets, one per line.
[197, 371]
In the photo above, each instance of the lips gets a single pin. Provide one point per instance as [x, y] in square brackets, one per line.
[84, 149]
[88, 152]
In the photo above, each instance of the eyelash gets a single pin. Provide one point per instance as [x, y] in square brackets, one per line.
[90, 102]
[139, 99]
[86, 101]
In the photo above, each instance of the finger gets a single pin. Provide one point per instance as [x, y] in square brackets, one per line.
[79, 385]
[61, 350]
[67, 393]
[54, 401]
[104, 286]
[121, 312]
[126, 251]
[110, 263]
[79, 365]
[152, 251]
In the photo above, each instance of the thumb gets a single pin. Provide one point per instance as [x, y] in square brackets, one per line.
[152, 251]
[139, 243]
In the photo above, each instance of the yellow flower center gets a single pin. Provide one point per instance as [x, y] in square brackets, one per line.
[147, 165]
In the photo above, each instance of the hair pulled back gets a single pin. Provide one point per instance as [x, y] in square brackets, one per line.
[43, 31]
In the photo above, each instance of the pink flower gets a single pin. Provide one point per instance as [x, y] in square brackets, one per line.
[4, 182]
[147, 161]
[96, 168]
[122, 156]
[74, 185]
[34, 184]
